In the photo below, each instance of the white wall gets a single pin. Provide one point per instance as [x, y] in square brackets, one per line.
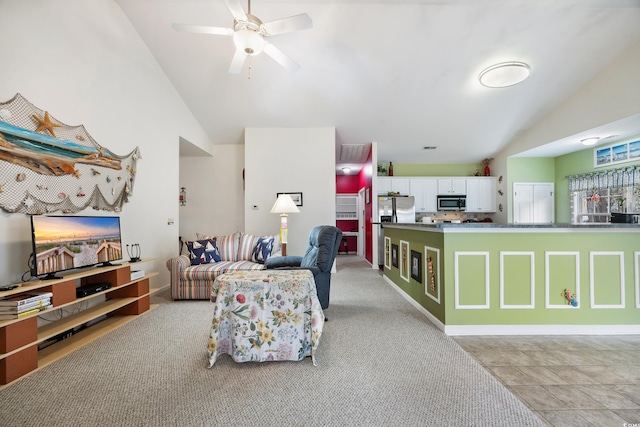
[215, 197]
[612, 95]
[290, 160]
[85, 64]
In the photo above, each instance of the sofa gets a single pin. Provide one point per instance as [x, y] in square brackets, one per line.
[208, 257]
[324, 242]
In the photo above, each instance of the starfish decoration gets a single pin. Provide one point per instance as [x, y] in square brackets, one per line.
[46, 123]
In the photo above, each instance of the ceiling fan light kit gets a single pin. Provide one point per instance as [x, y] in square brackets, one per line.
[248, 41]
[249, 35]
[504, 74]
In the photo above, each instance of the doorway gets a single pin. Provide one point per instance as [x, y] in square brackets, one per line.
[360, 210]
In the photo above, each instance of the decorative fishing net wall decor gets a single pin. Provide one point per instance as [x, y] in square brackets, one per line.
[48, 166]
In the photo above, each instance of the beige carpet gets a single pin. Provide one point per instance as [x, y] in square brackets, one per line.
[381, 363]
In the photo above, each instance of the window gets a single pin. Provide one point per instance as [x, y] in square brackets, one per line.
[596, 205]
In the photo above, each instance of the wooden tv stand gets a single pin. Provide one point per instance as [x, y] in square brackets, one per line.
[19, 338]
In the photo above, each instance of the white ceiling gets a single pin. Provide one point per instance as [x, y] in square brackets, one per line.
[402, 74]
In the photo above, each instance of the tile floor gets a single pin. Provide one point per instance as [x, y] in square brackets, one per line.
[567, 380]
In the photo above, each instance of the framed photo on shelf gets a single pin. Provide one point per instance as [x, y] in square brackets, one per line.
[617, 153]
[416, 266]
[296, 197]
[394, 255]
[634, 150]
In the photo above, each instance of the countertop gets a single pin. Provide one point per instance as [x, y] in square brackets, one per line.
[475, 227]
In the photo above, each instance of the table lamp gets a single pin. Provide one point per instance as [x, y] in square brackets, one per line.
[284, 205]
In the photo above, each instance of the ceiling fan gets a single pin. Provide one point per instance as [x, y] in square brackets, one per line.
[249, 34]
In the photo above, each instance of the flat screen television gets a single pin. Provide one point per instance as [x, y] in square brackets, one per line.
[67, 242]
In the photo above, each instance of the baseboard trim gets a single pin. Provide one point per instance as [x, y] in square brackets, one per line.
[458, 330]
[438, 324]
[455, 330]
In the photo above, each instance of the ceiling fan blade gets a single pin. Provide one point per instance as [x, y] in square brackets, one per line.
[237, 62]
[203, 29]
[282, 59]
[236, 10]
[286, 25]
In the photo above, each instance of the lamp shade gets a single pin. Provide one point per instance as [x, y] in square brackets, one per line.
[284, 204]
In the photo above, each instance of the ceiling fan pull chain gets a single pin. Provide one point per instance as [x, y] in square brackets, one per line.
[249, 69]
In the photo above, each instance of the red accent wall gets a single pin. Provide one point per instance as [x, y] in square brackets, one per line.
[347, 184]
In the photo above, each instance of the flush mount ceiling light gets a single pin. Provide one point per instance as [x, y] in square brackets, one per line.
[590, 141]
[346, 170]
[504, 74]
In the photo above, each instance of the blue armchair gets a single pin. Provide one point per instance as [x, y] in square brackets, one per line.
[324, 242]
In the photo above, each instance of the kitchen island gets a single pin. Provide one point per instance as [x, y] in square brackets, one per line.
[485, 278]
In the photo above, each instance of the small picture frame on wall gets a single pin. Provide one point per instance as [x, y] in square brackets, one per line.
[432, 273]
[394, 255]
[296, 197]
[387, 252]
[404, 260]
[416, 266]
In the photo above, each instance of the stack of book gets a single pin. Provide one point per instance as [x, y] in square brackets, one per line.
[22, 305]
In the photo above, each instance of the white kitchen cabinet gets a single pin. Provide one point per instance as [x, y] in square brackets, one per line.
[456, 186]
[400, 185]
[383, 184]
[481, 194]
[394, 184]
[425, 192]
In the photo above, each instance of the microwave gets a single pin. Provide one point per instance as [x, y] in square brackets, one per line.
[452, 203]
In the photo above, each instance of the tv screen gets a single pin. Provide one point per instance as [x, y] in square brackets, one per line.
[67, 242]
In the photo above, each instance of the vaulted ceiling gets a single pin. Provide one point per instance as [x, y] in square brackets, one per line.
[403, 74]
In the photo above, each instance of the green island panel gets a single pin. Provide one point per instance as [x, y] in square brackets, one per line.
[562, 276]
[606, 280]
[561, 270]
[471, 273]
[516, 269]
